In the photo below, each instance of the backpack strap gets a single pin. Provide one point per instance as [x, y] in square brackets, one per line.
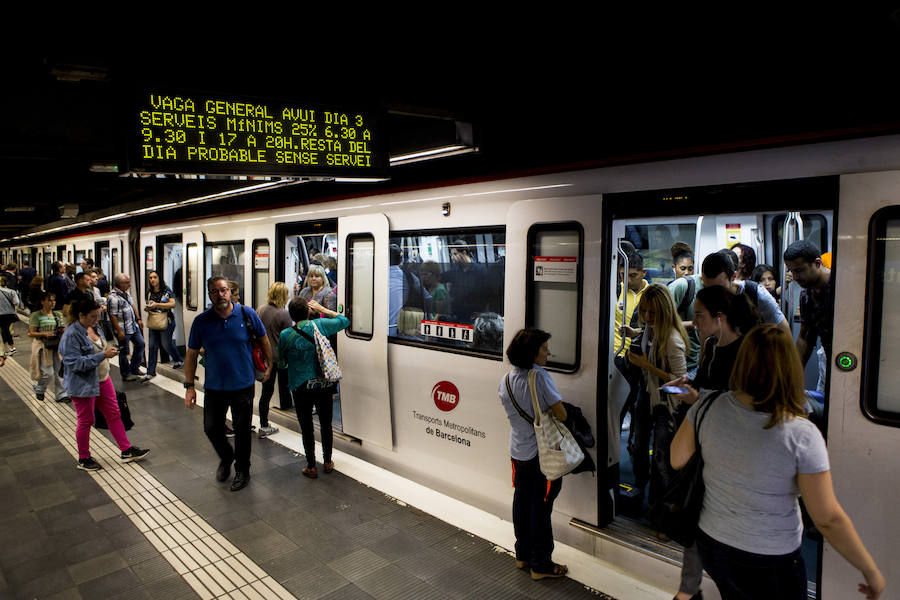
[688, 298]
[304, 334]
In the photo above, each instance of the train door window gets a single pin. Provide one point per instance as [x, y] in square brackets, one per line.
[79, 257]
[881, 379]
[361, 284]
[105, 260]
[115, 263]
[226, 259]
[69, 256]
[61, 253]
[261, 279]
[148, 266]
[48, 260]
[191, 275]
[446, 289]
[654, 243]
[554, 289]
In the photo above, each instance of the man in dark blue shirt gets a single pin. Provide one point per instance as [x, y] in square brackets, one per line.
[229, 383]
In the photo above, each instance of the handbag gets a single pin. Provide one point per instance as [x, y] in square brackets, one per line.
[328, 364]
[558, 452]
[54, 341]
[124, 412]
[158, 321]
[256, 351]
[677, 511]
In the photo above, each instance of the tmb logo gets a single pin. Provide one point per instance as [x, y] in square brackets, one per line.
[445, 395]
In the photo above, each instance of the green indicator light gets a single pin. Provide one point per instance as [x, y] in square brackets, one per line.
[846, 361]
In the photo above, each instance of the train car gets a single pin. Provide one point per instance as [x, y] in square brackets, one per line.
[436, 282]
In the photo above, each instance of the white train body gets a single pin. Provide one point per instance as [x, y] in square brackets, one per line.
[388, 394]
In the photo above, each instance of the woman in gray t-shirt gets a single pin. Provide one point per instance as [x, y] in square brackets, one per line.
[760, 453]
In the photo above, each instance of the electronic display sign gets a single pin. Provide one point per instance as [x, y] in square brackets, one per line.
[225, 135]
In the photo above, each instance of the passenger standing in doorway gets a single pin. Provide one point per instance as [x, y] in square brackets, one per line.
[682, 259]
[803, 260]
[85, 355]
[637, 402]
[221, 331]
[45, 326]
[26, 275]
[127, 324]
[664, 342]
[160, 299]
[534, 495]
[9, 300]
[765, 276]
[760, 453]
[297, 349]
[276, 319]
[684, 289]
[318, 288]
[35, 291]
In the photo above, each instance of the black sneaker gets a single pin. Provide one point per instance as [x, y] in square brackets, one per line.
[134, 453]
[39, 395]
[64, 399]
[229, 432]
[88, 464]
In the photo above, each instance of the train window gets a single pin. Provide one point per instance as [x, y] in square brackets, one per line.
[446, 288]
[654, 244]
[554, 289]
[115, 263]
[260, 271]
[815, 230]
[881, 377]
[226, 259]
[361, 284]
[104, 261]
[191, 276]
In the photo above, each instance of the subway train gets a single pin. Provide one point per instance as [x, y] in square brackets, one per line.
[419, 394]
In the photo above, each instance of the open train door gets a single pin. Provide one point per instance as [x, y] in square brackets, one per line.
[363, 298]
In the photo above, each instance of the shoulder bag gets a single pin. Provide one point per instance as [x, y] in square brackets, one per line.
[328, 364]
[53, 342]
[158, 320]
[256, 351]
[677, 511]
[558, 452]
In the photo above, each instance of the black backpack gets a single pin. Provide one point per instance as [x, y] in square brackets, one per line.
[688, 299]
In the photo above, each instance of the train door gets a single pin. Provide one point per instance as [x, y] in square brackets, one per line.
[170, 257]
[864, 416]
[363, 295]
[553, 262]
[647, 225]
[192, 282]
[299, 245]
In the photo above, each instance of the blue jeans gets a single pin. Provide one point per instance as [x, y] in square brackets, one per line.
[127, 367]
[741, 575]
[164, 339]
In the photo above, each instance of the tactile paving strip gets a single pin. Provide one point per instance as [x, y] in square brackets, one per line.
[207, 561]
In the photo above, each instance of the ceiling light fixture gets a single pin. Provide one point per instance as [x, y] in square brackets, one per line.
[441, 152]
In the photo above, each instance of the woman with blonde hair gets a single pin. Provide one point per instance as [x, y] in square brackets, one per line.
[662, 357]
[316, 287]
[275, 318]
[760, 452]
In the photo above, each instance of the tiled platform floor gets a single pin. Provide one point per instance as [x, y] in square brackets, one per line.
[330, 538]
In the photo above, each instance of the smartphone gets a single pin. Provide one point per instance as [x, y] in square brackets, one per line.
[674, 389]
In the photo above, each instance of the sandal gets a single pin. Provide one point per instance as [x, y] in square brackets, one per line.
[329, 466]
[558, 571]
[310, 472]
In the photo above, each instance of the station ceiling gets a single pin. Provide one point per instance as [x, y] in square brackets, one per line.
[531, 109]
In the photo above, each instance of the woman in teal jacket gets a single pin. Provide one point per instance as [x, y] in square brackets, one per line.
[296, 348]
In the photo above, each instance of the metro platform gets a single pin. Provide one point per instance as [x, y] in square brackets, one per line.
[164, 528]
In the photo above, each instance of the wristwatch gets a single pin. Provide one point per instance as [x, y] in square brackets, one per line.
[188, 384]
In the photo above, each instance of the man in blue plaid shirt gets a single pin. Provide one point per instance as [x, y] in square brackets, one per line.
[126, 322]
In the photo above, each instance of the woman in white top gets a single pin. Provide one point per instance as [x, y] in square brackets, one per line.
[760, 452]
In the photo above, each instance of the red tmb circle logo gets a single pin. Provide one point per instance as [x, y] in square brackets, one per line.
[445, 395]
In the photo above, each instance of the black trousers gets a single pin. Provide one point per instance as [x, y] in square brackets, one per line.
[532, 507]
[304, 400]
[216, 403]
[268, 390]
[5, 322]
[741, 575]
[638, 402]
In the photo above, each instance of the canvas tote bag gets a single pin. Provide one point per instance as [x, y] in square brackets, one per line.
[558, 451]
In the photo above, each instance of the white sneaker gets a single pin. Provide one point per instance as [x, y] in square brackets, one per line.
[265, 432]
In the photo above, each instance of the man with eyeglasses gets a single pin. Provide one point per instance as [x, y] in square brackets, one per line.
[222, 332]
